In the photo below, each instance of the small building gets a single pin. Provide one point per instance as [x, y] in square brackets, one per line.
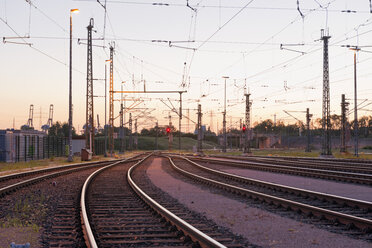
[21, 145]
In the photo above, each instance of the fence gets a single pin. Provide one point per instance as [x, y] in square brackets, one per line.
[26, 145]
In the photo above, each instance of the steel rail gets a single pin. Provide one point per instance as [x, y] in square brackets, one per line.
[328, 174]
[346, 219]
[332, 198]
[13, 187]
[195, 234]
[332, 160]
[89, 236]
[33, 172]
[357, 168]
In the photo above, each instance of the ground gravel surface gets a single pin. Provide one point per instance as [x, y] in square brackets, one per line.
[259, 227]
[40, 208]
[354, 191]
[221, 234]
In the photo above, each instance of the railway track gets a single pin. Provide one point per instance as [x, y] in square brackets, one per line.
[354, 214]
[123, 214]
[359, 178]
[316, 163]
[12, 182]
[52, 192]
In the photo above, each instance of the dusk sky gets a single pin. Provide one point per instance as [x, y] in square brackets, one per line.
[238, 39]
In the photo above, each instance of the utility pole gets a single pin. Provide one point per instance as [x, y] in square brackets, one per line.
[121, 123]
[170, 136]
[247, 138]
[356, 134]
[211, 121]
[105, 127]
[111, 108]
[326, 123]
[179, 124]
[136, 135]
[199, 148]
[241, 135]
[124, 137]
[224, 121]
[156, 137]
[188, 120]
[130, 132]
[344, 108]
[89, 119]
[308, 118]
[70, 155]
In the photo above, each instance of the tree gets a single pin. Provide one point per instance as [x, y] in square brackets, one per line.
[60, 130]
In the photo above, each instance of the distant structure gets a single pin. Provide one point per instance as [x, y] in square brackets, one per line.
[46, 127]
[30, 121]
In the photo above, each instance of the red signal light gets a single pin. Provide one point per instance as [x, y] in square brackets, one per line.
[244, 128]
[168, 129]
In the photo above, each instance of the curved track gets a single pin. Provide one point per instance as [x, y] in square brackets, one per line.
[355, 166]
[343, 210]
[122, 213]
[359, 178]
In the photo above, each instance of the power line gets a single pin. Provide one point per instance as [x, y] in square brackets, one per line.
[235, 15]
[36, 49]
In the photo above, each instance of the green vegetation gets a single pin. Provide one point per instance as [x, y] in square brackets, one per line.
[33, 164]
[26, 214]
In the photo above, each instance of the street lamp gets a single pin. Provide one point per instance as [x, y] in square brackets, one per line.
[355, 49]
[106, 62]
[70, 158]
[224, 121]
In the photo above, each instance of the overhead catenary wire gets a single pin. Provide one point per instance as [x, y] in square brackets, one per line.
[37, 49]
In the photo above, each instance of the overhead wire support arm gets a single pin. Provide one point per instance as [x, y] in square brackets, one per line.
[282, 47]
[18, 43]
[151, 91]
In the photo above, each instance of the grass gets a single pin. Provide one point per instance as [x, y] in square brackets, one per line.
[36, 164]
[187, 143]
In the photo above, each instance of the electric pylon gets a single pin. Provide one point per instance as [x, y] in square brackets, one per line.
[247, 138]
[130, 132]
[326, 121]
[308, 118]
[344, 108]
[200, 144]
[135, 135]
[89, 120]
[111, 111]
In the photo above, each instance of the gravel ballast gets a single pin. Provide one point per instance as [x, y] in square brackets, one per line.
[256, 225]
[354, 191]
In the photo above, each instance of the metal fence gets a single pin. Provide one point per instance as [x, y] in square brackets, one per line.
[26, 145]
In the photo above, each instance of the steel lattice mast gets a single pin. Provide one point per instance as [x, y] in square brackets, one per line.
[199, 127]
[308, 118]
[344, 109]
[111, 109]
[89, 126]
[326, 122]
[247, 148]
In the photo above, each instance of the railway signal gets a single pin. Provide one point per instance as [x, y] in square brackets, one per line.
[244, 129]
[168, 130]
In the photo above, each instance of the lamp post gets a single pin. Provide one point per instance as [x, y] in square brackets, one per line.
[70, 158]
[107, 61]
[355, 49]
[224, 120]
